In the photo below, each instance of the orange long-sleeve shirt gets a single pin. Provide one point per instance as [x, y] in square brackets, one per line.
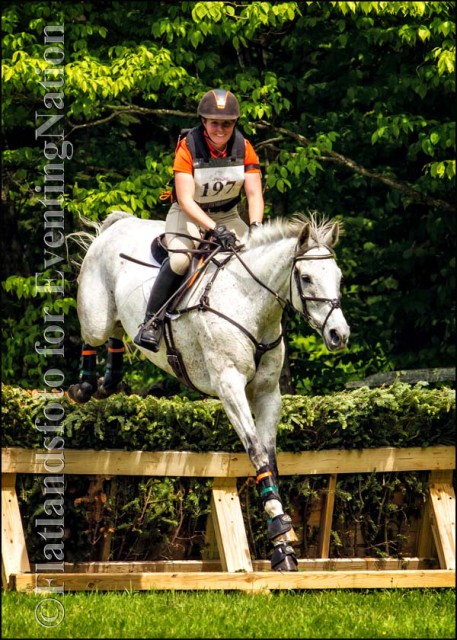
[183, 158]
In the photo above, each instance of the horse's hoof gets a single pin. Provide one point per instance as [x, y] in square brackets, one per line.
[104, 392]
[284, 558]
[81, 392]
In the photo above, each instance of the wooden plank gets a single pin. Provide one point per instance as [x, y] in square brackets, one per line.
[14, 551]
[325, 528]
[126, 463]
[229, 526]
[304, 564]
[366, 460]
[233, 465]
[442, 505]
[251, 582]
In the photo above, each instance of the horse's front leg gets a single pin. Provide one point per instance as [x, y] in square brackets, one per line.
[261, 451]
[266, 404]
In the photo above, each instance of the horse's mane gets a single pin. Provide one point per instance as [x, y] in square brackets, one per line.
[282, 228]
[271, 231]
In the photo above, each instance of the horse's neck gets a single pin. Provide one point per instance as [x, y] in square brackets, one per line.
[272, 263]
[255, 303]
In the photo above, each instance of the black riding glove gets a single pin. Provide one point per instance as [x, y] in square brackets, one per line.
[224, 237]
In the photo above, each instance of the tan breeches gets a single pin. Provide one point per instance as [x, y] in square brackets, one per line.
[178, 222]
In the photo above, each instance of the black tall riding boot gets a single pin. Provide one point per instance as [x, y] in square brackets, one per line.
[150, 333]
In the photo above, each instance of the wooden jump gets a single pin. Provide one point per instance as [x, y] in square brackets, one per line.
[235, 569]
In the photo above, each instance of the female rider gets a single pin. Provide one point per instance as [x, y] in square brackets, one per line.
[211, 166]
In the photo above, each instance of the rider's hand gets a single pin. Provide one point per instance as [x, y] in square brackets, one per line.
[224, 237]
[254, 225]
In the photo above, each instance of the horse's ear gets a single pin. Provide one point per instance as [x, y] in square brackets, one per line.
[332, 236]
[304, 238]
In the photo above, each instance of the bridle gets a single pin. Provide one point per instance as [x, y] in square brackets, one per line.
[335, 303]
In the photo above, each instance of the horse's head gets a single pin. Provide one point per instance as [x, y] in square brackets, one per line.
[315, 282]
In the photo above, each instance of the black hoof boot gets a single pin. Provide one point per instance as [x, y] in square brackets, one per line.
[279, 525]
[150, 338]
[284, 558]
[105, 390]
[82, 392]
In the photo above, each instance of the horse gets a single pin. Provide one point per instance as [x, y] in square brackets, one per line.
[224, 336]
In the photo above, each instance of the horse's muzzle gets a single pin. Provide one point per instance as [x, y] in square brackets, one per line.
[336, 340]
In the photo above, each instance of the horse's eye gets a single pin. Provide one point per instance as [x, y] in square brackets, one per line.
[306, 279]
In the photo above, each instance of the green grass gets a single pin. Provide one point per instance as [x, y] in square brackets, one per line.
[415, 613]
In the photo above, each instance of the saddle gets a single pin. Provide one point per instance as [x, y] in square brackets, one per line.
[159, 249]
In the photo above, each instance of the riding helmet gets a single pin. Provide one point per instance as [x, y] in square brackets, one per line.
[219, 104]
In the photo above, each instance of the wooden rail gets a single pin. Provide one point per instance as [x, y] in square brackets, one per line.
[226, 533]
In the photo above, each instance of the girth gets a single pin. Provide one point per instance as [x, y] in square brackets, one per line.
[175, 359]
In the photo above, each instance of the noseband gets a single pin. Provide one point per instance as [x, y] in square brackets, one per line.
[335, 303]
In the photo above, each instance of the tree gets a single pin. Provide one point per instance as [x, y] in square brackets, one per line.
[347, 103]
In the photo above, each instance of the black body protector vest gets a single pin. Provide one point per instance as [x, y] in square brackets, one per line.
[218, 181]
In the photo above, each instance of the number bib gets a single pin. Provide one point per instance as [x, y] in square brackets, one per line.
[218, 181]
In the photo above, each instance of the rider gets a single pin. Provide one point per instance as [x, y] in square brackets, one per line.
[212, 164]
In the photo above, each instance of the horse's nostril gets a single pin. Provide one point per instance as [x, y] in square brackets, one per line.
[334, 337]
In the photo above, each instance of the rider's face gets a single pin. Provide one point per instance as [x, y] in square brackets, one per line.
[219, 131]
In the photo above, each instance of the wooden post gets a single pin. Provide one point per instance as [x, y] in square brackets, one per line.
[211, 550]
[426, 545]
[326, 518]
[442, 503]
[15, 558]
[229, 527]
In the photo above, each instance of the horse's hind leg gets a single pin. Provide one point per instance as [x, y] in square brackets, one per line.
[97, 317]
[87, 385]
[111, 381]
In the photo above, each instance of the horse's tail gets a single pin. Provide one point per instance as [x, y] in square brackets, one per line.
[84, 238]
[113, 217]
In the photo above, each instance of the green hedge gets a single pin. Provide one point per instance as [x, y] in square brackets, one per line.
[143, 518]
[398, 416]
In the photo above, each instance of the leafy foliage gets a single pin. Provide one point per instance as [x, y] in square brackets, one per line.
[399, 415]
[347, 103]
